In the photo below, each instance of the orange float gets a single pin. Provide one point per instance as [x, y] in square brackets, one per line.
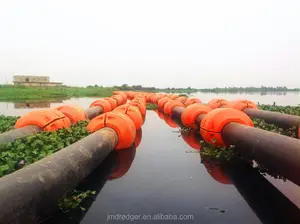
[124, 95]
[47, 119]
[112, 102]
[241, 104]
[217, 103]
[132, 112]
[74, 113]
[173, 97]
[191, 101]
[130, 95]
[161, 103]
[212, 124]
[148, 98]
[182, 99]
[170, 105]
[120, 99]
[121, 123]
[191, 112]
[140, 105]
[102, 103]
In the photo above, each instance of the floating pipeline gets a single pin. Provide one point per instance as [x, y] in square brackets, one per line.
[60, 117]
[268, 203]
[250, 108]
[57, 174]
[228, 126]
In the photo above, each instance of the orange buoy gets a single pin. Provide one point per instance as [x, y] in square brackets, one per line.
[241, 104]
[121, 123]
[74, 113]
[112, 102]
[170, 105]
[120, 99]
[217, 103]
[124, 95]
[213, 122]
[102, 103]
[47, 119]
[182, 99]
[161, 103]
[173, 97]
[191, 101]
[191, 112]
[140, 105]
[132, 112]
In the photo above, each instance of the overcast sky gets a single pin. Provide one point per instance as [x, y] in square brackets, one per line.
[162, 43]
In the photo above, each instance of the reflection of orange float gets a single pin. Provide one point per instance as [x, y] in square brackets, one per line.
[216, 172]
[191, 140]
[138, 138]
[124, 161]
[170, 122]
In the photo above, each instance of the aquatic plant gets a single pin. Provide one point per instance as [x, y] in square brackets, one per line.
[74, 199]
[24, 151]
[151, 106]
[7, 123]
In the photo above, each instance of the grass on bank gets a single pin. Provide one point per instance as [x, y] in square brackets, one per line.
[22, 93]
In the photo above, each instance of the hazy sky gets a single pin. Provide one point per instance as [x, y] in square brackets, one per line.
[160, 43]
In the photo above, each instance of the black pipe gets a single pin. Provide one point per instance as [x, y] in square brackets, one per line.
[94, 182]
[93, 112]
[32, 193]
[275, 151]
[280, 119]
[10, 136]
[267, 202]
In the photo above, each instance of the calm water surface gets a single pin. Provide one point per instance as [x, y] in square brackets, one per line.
[164, 176]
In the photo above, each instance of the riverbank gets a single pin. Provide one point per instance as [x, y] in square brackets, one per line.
[21, 93]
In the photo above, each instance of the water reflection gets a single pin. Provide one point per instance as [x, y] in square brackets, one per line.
[268, 203]
[32, 105]
[115, 166]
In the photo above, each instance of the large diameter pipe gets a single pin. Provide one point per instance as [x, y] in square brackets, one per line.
[280, 119]
[32, 193]
[275, 151]
[10, 136]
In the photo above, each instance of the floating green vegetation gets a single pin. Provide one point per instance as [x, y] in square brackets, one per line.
[74, 199]
[293, 110]
[24, 151]
[291, 132]
[151, 106]
[218, 153]
[7, 123]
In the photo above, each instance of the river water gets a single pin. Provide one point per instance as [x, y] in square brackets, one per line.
[164, 179]
[287, 98]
